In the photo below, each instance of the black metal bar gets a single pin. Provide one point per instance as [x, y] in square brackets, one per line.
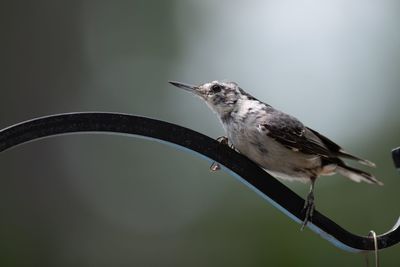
[270, 188]
[396, 157]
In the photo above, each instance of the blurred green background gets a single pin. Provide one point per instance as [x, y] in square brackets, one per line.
[90, 200]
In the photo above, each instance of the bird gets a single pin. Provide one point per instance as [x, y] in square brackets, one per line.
[277, 142]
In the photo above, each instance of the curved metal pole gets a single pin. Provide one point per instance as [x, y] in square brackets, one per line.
[242, 168]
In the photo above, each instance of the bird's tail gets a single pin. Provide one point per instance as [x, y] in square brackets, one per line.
[356, 175]
[344, 154]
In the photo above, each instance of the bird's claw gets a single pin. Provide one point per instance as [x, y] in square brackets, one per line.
[223, 140]
[308, 209]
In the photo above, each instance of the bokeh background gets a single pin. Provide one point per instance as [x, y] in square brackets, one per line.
[90, 200]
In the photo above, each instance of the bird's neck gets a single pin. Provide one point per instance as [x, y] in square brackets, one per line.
[243, 108]
[228, 114]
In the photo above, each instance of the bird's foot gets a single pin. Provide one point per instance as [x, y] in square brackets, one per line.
[223, 140]
[308, 209]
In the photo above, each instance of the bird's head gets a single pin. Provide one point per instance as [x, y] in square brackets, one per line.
[221, 97]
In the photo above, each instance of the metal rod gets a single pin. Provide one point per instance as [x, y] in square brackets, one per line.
[239, 166]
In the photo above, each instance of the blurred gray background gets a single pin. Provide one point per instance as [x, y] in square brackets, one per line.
[89, 200]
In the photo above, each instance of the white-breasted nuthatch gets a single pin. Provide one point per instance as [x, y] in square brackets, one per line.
[276, 141]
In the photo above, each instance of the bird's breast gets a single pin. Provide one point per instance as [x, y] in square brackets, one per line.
[270, 154]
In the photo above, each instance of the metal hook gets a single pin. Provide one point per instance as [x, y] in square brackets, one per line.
[236, 164]
[374, 239]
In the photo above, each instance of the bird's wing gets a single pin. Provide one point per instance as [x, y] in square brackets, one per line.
[338, 151]
[291, 133]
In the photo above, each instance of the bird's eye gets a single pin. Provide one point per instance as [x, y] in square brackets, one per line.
[216, 88]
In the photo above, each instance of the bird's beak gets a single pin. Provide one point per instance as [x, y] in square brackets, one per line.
[187, 87]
